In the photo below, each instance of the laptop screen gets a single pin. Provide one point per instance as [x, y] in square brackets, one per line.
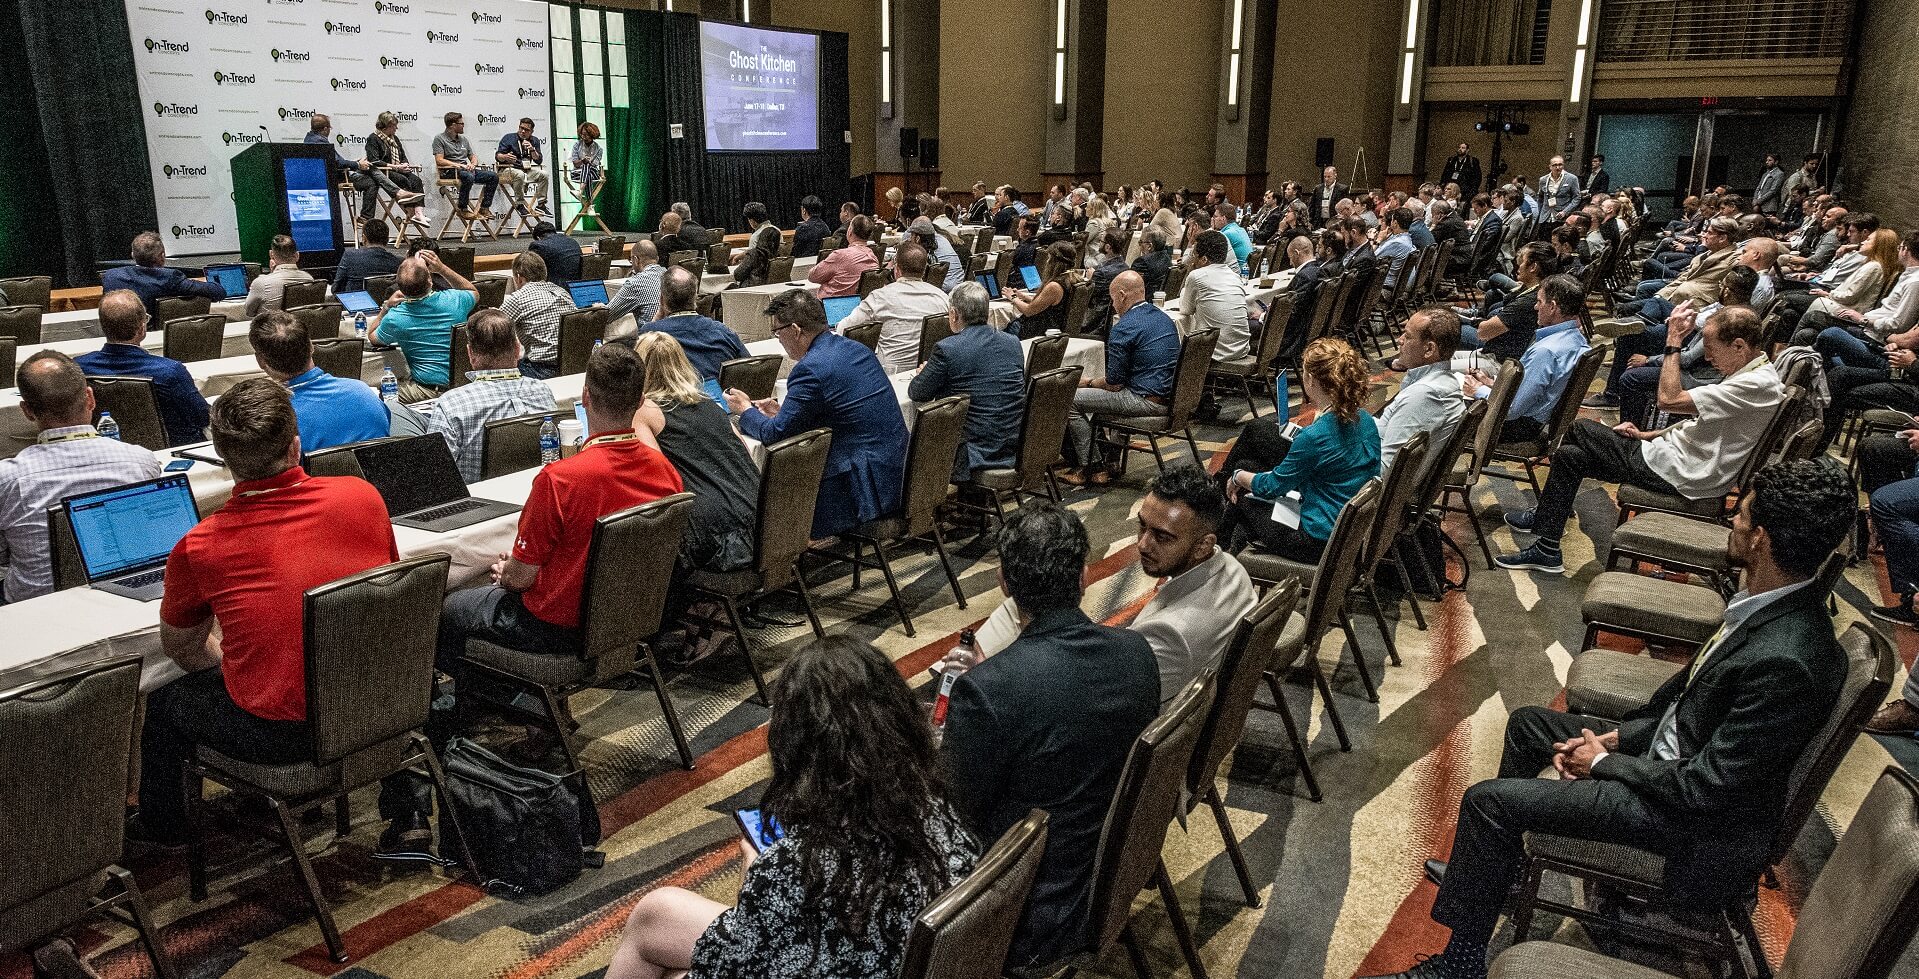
[839, 307]
[1029, 275]
[232, 278]
[411, 474]
[131, 528]
[991, 282]
[358, 302]
[586, 292]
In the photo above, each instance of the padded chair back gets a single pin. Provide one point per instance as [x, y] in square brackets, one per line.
[68, 571]
[303, 293]
[321, 320]
[1247, 657]
[134, 407]
[341, 357]
[1189, 378]
[1328, 299]
[695, 265]
[1003, 268]
[682, 257]
[1441, 262]
[1272, 333]
[29, 290]
[492, 292]
[935, 273]
[1175, 280]
[754, 376]
[867, 333]
[930, 452]
[1439, 464]
[831, 244]
[509, 445]
[175, 307]
[1360, 305]
[578, 330]
[1045, 354]
[789, 487]
[459, 361]
[1486, 439]
[1803, 443]
[1078, 298]
[595, 266]
[1566, 411]
[194, 338]
[933, 329]
[1396, 499]
[967, 931]
[8, 362]
[878, 248]
[20, 324]
[612, 246]
[381, 286]
[1863, 908]
[708, 305]
[1869, 670]
[334, 460]
[628, 566]
[63, 788]
[780, 269]
[1793, 408]
[872, 280]
[369, 641]
[459, 258]
[983, 241]
[1145, 803]
[1042, 430]
[1337, 570]
[1255, 263]
[717, 255]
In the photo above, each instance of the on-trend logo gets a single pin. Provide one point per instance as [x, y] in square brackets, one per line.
[182, 172]
[229, 78]
[280, 54]
[441, 37]
[532, 93]
[488, 120]
[383, 7]
[439, 89]
[160, 45]
[386, 62]
[480, 69]
[483, 18]
[193, 231]
[347, 83]
[530, 43]
[334, 27]
[405, 116]
[224, 19]
[165, 109]
[286, 113]
[232, 138]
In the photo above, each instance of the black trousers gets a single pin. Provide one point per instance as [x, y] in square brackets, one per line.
[1521, 430]
[1865, 387]
[1883, 460]
[197, 710]
[1590, 451]
[1262, 446]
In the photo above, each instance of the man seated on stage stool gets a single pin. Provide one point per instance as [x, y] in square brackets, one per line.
[639, 293]
[498, 389]
[366, 178]
[372, 258]
[987, 366]
[283, 269]
[245, 568]
[522, 167]
[1699, 774]
[1142, 355]
[151, 280]
[66, 457]
[838, 274]
[419, 319]
[453, 155]
[123, 321]
[535, 306]
[901, 307]
[331, 410]
[707, 342]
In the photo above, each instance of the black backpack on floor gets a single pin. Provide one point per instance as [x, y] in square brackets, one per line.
[528, 829]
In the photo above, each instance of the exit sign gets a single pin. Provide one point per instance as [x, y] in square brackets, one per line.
[1709, 101]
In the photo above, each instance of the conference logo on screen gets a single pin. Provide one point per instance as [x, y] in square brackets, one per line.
[242, 138]
[485, 18]
[482, 69]
[220, 18]
[229, 78]
[333, 27]
[441, 37]
[175, 171]
[166, 110]
[439, 89]
[192, 232]
[530, 43]
[395, 63]
[532, 93]
[382, 7]
[160, 45]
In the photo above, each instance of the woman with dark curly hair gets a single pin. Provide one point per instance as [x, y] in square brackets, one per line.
[870, 838]
[1327, 462]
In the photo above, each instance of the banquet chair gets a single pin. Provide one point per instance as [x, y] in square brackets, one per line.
[1042, 430]
[1189, 384]
[682, 257]
[938, 432]
[872, 280]
[708, 305]
[1003, 268]
[579, 331]
[1463, 476]
[381, 286]
[587, 196]
[629, 567]
[1534, 453]
[755, 376]
[595, 267]
[983, 241]
[335, 460]
[867, 334]
[63, 784]
[719, 255]
[21, 324]
[780, 269]
[1259, 363]
[134, 408]
[458, 258]
[1425, 512]
[612, 246]
[321, 320]
[509, 445]
[1044, 354]
[1720, 509]
[340, 356]
[176, 307]
[1078, 297]
[966, 932]
[192, 338]
[935, 273]
[1330, 587]
[933, 329]
[491, 291]
[8, 367]
[29, 290]
[459, 361]
[367, 641]
[303, 293]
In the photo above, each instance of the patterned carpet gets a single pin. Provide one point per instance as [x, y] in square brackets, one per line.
[1343, 891]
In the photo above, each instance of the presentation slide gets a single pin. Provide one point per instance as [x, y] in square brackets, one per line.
[761, 88]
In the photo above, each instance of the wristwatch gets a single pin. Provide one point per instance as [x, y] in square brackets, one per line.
[1671, 351]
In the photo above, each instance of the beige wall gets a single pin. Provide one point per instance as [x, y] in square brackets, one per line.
[859, 21]
[1446, 126]
[995, 84]
[1332, 76]
[1881, 131]
[1162, 83]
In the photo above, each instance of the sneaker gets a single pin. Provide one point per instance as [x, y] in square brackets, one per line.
[1521, 520]
[1601, 400]
[407, 839]
[1900, 614]
[1534, 558]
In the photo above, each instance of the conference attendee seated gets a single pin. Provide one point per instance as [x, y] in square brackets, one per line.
[811, 230]
[1428, 400]
[850, 748]
[900, 307]
[454, 158]
[1047, 724]
[535, 307]
[1225, 221]
[1448, 226]
[762, 245]
[1855, 386]
[1325, 464]
[497, 389]
[1848, 335]
[150, 279]
[1481, 251]
[1548, 363]
[1007, 208]
[669, 240]
[1640, 381]
[67, 456]
[1699, 282]
[1043, 311]
[1398, 245]
[522, 164]
[1697, 776]
[1142, 355]
[123, 321]
[419, 319]
[1154, 261]
[707, 342]
[330, 410]
[1886, 472]
[283, 269]
[986, 365]
[1214, 296]
[1510, 328]
[232, 610]
[1866, 266]
[1327, 264]
[838, 274]
[1697, 457]
[371, 258]
[560, 252]
[639, 294]
[692, 233]
[938, 249]
[980, 211]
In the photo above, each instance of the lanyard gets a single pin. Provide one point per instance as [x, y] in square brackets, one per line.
[610, 439]
[274, 489]
[501, 374]
[69, 437]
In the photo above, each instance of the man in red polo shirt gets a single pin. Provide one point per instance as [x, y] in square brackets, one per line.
[247, 567]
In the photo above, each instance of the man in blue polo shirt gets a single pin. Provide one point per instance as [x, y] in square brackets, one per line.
[331, 410]
[1548, 363]
[420, 320]
[1142, 356]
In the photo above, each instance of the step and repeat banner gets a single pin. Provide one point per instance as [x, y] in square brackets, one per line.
[217, 79]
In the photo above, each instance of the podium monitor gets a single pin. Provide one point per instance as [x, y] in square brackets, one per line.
[283, 189]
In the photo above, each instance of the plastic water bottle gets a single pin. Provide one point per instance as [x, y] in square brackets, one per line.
[549, 441]
[108, 427]
[359, 325]
[389, 385]
[950, 676]
[599, 342]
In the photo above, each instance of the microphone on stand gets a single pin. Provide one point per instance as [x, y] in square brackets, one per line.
[265, 133]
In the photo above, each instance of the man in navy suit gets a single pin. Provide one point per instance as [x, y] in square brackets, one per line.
[183, 412]
[151, 280]
[988, 366]
[836, 384]
[708, 342]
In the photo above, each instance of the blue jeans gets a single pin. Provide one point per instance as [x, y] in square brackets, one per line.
[1469, 338]
[537, 370]
[1895, 512]
[489, 182]
[1837, 345]
[1648, 287]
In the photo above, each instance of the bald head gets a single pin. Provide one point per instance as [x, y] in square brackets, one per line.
[53, 391]
[413, 279]
[123, 317]
[1129, 290]
[645, 253]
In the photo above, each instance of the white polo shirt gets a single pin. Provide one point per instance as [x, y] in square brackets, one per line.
[1700, 456]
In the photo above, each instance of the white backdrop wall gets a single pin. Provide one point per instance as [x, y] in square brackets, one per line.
[220, 78]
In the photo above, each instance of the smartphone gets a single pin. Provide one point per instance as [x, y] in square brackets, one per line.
[179, 465]
[759, 830]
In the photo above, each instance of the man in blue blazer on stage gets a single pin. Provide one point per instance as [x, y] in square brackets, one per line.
[836, 384]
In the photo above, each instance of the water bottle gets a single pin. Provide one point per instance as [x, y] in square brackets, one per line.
[359, 325]
[549, 441]
[108, 427]
[599, 342]
[950, 676]
[389, 385]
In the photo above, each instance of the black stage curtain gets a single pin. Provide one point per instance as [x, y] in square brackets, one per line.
[76, 187]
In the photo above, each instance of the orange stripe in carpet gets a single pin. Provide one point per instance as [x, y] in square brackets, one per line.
[612, 918]
[392, 925]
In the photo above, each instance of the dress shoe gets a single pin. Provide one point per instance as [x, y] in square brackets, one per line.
[58, 960]
[407, 839]
[1897, 717]
[1438, 967]
[1436, 870]
[138, 834]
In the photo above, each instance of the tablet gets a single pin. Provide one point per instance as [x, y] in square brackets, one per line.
[1029, 275]
[358, 302]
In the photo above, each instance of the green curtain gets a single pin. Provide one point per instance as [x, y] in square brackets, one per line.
[635, 193]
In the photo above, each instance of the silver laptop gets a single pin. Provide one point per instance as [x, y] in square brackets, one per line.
[125, 533]
[421, 484]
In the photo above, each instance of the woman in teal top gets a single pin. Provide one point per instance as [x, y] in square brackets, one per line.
[1326, 463]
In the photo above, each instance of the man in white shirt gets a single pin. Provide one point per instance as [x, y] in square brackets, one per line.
[1215, 296]
[639, 293]
[901, 307]
[1697, 458]
[268, 290]
[497, 390]
[535, 307]
[67, 457]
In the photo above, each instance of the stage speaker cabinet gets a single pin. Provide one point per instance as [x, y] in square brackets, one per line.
[1323, 152]
[909, 142]
[930, 154]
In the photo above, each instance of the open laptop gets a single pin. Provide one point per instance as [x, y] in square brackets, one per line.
[125, 533]
[421, 484]
[586, 292]
[232, 278]
[1029, 275]
[358, 302]
[990, 282]
[839, 307]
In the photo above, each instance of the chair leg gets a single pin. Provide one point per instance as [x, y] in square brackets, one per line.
[666, 706]
[1182, 931]
[1359, 657]
[1527, 898]
[939, 547]
[1246, 387]
[1406, 582]
[342, 817]
[892, 585]
[1749, 956]
[1379, 618]
[1294, 734]
[1532, 476]
[858, 551]
[190, 784]
[556, 710]
[1158, 459]
[1332, 706]
[1233, 853]
[1134, 953]
[1466, 498]
[806, 598]
[438, 777]
[143, 922]
[1193, 443]
[739, 633]
[336, 949]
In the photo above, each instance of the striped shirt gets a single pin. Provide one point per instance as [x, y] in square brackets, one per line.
[460, 415]
[64, 461]
[535, 309]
